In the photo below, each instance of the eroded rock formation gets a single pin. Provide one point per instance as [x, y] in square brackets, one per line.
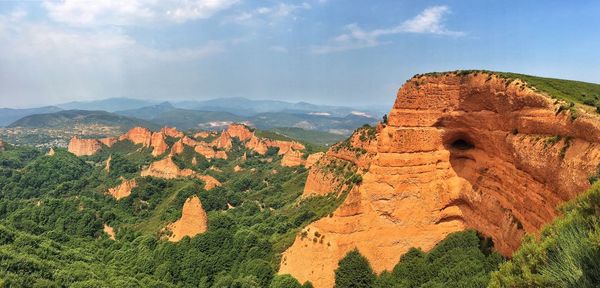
[193, 220]
[109, 141]
[209, 181]
[459, 151]
[1, 145]
[138, 135]
[292, 158]
[123, 190]
[84, 147]
[109, 231]
[242, 132]
[313, 159]
[158, 144]
[167, 169]
[171, 132]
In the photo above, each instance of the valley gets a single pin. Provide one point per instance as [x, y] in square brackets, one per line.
[474, 179]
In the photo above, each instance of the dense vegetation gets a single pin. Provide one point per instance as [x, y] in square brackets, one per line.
[463, 259]
[567, 253]
[53, 208]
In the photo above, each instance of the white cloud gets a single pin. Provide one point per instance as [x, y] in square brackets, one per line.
[271, 13]
[132, 12]
[278, 49]
[44, 59]
[429, 21]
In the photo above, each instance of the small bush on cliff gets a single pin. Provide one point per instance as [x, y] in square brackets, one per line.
[354, 271]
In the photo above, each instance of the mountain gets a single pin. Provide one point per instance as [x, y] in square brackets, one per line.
[70, 119]
[147, 112]
[166, 114]
[248, 107]
[9, 115]
[189, 119]
[110, 104]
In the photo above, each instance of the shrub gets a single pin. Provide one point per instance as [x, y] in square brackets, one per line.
[354, 271]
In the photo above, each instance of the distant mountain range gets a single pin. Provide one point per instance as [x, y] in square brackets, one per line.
[119, 114]
[239, 106]
[10, 115]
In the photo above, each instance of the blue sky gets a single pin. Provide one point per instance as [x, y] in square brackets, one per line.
[321, 51]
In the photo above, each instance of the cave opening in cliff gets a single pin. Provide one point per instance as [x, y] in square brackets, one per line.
[462, 144]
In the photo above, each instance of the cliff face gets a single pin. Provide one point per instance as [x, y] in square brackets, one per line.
[158, 143]
[292, 158]
[171, 132]
[167, 169]
[240, 131]
[123, 190]
[313, 159]
[193, 220]
[84, 147]
[459, 151]
[138, 135]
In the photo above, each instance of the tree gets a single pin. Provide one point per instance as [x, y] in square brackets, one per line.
[354, 271]
[285, 281]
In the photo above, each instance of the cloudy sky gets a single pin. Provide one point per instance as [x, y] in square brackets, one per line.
[347, 52]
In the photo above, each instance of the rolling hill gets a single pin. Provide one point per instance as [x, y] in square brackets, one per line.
[10, 115]
[72, 118]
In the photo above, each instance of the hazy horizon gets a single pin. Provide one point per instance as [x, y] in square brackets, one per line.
[327, 52]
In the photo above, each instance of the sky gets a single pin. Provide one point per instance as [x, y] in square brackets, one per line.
[340, 52]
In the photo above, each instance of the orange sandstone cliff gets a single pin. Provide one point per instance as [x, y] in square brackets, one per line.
[459, 151]
[167, 169]
[84, 147]
[193, 220]
[123, 190]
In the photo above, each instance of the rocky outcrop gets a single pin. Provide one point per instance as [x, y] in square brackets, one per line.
[158, 144]
[209, 181]
[171, 132]
[284, 146]
[204, 134]
[123, 190]
[209, 152]
[460, 151]
[50, 152]
[242, 132]
[84, 147]
[257, 145]
[109, 231]
[177, 148]
[313, 159]
[109, 141]
[166, 169]
[138, 135]
[193, 221]
[223, 141]
[292, 158]
[1, 145]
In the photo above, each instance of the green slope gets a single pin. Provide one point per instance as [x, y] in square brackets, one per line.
[71, 118]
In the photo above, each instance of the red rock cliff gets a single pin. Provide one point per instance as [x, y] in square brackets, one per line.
[459, 151]
[84, 147]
